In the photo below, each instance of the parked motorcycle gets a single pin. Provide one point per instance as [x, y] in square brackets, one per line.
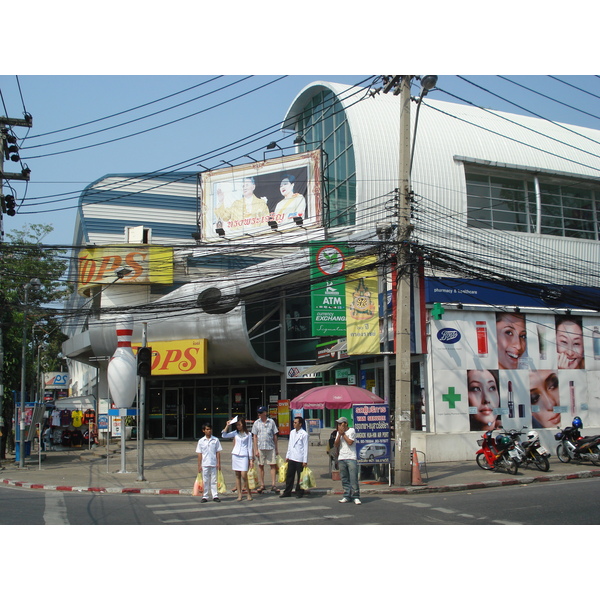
[497, 453]
[531, 450]
[573, 446]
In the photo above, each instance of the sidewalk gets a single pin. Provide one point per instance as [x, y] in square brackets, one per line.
[170, 467]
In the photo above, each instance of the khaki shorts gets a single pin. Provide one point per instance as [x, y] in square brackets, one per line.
[266, 457]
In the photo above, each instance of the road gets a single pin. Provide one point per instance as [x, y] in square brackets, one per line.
[562, 502]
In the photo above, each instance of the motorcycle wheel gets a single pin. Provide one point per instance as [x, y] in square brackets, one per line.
[510, 465]
[541, 462]
[562, 454]
[482, 463]
[594, 456]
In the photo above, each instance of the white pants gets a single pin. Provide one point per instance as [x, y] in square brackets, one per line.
[209, 477]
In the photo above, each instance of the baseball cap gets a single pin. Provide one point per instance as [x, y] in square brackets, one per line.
[261, 409]
[342, 420]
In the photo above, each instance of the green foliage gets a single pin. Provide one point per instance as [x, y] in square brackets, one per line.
[23, 257]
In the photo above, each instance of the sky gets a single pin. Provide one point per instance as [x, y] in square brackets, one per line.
[215, 113]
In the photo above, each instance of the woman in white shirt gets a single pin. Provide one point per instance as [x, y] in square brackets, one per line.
[241, 455]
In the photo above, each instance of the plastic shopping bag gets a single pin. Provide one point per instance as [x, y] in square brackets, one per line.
[282, 472]
[280, 461]
[252, 478]
[198, 486]
[221, 487]
[307, 479]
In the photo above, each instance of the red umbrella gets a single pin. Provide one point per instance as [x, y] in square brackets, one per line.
[335, 396]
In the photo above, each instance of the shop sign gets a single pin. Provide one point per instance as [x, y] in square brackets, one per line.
[372, 427]
[146, 264]
[56, 380]
[181, 357]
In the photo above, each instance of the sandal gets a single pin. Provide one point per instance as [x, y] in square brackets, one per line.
[261, 489]
[274, 489]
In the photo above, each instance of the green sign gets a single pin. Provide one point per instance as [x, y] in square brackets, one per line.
[328, 291]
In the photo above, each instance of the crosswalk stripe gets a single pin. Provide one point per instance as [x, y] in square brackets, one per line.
[55, 509]
[221, 514]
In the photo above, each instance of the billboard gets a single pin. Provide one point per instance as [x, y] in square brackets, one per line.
[514, 370]
[181, 357]
[145, 264]
[244, 200]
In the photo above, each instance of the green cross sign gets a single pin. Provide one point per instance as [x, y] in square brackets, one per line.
[451, 398]
[437, 311]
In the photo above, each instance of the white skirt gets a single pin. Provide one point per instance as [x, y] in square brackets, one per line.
[239, 463]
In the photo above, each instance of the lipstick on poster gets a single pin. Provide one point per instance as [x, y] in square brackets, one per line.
[482, 337]
[511, 403]
[572, 395]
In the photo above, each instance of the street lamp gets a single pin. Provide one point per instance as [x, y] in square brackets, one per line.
[35, 284]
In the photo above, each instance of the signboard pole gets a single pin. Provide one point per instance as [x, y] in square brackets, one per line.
[142, 413]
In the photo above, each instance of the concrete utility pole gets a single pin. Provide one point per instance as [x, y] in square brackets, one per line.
[402, 466]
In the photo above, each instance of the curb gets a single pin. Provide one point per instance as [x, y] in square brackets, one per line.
[425, 489]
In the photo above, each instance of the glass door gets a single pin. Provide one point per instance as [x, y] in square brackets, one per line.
[172, 416]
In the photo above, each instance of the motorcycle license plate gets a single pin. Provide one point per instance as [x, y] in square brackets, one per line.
[541, 450]
[513, 454]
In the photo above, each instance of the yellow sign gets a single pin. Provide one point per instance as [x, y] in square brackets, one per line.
[145, 265]
[362, 307]
[182, 357]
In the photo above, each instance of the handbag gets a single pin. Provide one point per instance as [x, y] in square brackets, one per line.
[221, 487]
[198, 486]
[252, 478]
[307, 479]
[282, 474]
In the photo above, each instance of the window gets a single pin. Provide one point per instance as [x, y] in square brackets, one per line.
[524, 202]
[324, 121]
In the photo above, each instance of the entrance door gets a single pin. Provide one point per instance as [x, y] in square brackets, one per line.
[238, 401]
[172, 416]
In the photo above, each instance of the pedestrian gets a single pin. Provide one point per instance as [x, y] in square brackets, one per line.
[345, 442]
[209, 462]
[296, 458]
[264, 436]
[241, 454]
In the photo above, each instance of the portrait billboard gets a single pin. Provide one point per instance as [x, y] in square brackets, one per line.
[245, 199]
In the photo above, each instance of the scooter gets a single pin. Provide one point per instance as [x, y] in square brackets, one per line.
[575, 447]
[497, 453]
[531, 450]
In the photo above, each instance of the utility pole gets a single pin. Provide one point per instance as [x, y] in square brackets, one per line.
[9, 151]
[402, 466]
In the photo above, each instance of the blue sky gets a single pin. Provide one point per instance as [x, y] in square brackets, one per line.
[199, 128]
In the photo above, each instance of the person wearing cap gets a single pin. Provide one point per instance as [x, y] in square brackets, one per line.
[264, 434]
[347, 461]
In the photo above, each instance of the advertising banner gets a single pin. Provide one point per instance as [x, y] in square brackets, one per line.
[362, 311]
[247, 199]
[328, 296]
[56, 380]
[283, 417]
[181, 357]
[514, 370]
[372, 426]
[146, 264]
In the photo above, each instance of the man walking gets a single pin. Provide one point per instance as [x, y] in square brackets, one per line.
[264, 434]
[209, 462]
[347, 461]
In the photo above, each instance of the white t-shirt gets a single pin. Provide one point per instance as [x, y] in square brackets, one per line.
[348, 451]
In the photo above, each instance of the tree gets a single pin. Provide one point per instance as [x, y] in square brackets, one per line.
[21, 259]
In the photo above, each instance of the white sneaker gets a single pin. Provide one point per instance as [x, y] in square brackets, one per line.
[357, 501]
[343, 500]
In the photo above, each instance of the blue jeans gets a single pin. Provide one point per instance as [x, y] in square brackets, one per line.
[349, 477]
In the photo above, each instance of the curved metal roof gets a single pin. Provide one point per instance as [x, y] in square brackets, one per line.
[448, 135]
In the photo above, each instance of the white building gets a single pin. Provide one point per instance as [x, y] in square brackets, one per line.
[505, 215]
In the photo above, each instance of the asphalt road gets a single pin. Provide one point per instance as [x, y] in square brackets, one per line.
[554, 503]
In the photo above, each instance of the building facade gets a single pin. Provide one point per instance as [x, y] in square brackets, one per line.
[505, 211]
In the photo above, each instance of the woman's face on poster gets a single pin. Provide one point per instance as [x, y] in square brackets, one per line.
[512, 340]
[569, 345]
[484, 395]
[286, 188]
[543, 392]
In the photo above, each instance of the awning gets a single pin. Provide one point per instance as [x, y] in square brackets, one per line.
[319, 368]
[82, 403]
